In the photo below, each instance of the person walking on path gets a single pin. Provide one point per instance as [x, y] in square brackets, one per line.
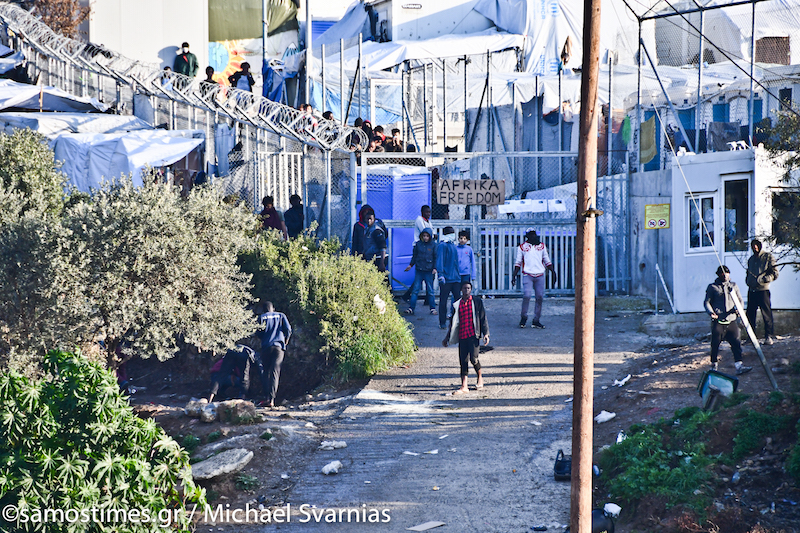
[274, 338]
[186, 62]
[423, 221]
[447, 269]
[467, 326]
[424, 258]
[719, 304]
[533, 260]
[466, 258]
[761, 272]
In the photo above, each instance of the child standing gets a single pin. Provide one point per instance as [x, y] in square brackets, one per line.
[466, 258]
[424, 258]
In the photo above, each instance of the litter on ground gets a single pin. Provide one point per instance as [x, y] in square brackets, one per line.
[332, 468]
[426, 526]
[604, 416]
[622, 382]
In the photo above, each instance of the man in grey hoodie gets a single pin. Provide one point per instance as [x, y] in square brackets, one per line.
[761, 272]
[719, 304]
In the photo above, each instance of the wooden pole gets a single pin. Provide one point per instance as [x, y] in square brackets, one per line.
[581, 490]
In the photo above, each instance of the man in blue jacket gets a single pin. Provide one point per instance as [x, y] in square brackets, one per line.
[424, 259]
[447, 268]
[274, 337]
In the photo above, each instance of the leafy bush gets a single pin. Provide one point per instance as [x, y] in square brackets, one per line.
[71, 442]
[793, 461]
[663, 459]
[751, 427]
[331, 294]
[138, 267]
[29, 180]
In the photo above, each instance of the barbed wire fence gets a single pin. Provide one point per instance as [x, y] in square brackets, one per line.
[243, 131]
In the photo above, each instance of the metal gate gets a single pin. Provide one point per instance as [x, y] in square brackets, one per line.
[496, 248]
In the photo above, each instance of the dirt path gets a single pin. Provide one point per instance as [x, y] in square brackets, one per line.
[490, 461]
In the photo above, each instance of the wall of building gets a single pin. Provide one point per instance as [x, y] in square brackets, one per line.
[151, 31]
[650, 246]
[706, 175]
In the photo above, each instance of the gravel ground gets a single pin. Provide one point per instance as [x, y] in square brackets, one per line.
[482, 461]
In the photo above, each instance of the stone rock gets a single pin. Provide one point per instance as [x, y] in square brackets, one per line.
[209, 413]
[237, 412]
[240, 441]
[194, 407]
[227, 462]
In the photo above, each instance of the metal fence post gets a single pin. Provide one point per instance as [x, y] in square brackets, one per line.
[328, 189]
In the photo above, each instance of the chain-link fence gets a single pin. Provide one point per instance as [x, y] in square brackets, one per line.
[726, 68]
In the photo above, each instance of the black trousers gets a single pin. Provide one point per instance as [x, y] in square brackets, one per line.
[728, 332]
[760, 300]
[445, 289]
[270, 370]
[468, 353]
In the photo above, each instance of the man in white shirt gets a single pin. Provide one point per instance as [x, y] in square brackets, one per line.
[533, 260]
[423, 221]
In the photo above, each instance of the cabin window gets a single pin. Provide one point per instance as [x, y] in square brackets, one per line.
[701, 222]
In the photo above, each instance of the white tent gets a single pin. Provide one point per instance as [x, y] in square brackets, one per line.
[54, 124]
[88, 158]
[38, 98]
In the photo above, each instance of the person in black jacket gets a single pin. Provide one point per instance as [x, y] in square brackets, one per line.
[467, 326]
[720, 305]
[293, 217]
[761, 272]
[233, 370]
[424, 258]
[242, 79]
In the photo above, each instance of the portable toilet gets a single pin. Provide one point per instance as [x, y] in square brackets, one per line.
[397, 192]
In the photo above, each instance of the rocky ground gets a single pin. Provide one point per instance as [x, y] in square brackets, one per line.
[492, 470]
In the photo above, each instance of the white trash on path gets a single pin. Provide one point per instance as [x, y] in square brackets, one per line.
[604, 416]
[332, 468]
[613, 509]
[622, 382]
[332, 445]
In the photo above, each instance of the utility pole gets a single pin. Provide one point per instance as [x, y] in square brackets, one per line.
[309, 53]
[581, 490]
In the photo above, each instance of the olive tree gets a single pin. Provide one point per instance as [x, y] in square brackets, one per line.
[151, 269]
[783, 144]
[29, 178]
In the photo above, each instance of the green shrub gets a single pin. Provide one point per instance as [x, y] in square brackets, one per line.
[332, 295]
[190, 443]
[750, 429]
[663, 459]
[214, 436]
[72, 442]
[793, 461]
[247, 483]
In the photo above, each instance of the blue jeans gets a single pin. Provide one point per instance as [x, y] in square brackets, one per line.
[419, 277]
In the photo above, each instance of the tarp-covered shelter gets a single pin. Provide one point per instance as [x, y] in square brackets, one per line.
[88, 158]
[14, 95]
[54, 124]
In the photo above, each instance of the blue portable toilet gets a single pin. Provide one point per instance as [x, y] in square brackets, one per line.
[397, 192]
